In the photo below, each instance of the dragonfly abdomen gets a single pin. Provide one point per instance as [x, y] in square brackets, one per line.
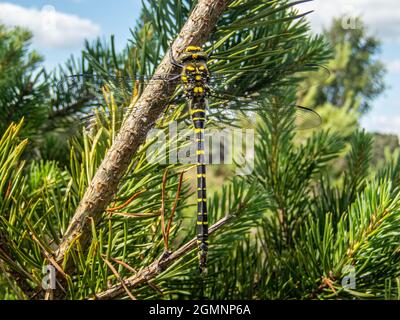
[198, 118]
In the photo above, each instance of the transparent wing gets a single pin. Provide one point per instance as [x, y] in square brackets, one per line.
[230, 90]
[224, 110]
[239, 82]
[92, 84]
[244, 91]
[91, 91]
[242, 82]
[304, 118]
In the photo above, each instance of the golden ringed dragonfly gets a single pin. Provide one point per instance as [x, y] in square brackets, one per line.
[209, 92]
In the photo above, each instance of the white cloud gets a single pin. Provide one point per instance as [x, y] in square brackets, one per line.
[381, 16]
[381, 123]
[393, 66]
[51, 29]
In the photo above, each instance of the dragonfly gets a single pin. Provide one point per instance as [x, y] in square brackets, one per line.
[198, 86]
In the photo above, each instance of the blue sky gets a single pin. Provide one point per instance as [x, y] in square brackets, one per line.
[382, 18]
[79, 19]
[105, 18]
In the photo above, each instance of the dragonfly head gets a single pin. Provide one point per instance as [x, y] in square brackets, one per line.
[194, 53]
[195, 75]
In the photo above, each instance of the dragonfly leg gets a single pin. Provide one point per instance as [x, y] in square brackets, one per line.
[173, 61]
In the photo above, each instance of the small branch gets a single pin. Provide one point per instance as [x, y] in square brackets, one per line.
[59, 113]
[158, 266]
[49, 256]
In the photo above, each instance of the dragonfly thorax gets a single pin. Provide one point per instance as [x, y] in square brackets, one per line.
[195, 75]
[195, 78]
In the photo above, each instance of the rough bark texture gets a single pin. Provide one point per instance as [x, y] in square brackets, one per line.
[158, 266]
[133, 133]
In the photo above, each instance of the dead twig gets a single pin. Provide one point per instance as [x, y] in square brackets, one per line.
[174, 206]
[136, 215]
[125, 204]
[119, 278]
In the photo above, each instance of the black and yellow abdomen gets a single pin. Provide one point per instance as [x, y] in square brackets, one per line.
[198, 118]
[195, 77]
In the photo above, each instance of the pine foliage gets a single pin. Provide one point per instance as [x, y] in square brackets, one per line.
[295, 231]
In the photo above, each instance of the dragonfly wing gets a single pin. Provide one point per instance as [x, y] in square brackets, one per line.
[225, 108]
[93, 84]
[231, 91]
[243, 81]
[89, 91]
[306, 118]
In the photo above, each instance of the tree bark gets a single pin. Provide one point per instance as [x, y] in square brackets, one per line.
[138, 123]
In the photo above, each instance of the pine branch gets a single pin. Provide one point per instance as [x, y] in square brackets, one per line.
[147, 110]
[158, 266]
[70, 109]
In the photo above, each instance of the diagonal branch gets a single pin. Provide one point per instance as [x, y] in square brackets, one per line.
[138, 123]
[158, 266]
